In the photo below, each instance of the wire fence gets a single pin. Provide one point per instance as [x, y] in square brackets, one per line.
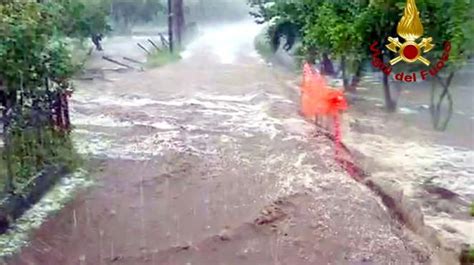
[35, 135]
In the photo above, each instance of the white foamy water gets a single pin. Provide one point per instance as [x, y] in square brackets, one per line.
[245, 115]
[111, 100]
[413, 164]
[416, 162]
[227, 42]
[98, 120]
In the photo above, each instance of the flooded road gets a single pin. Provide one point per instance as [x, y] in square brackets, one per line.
[206, 161]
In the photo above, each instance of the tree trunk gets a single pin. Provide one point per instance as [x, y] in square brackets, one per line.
[356, 78]
[67, 120]
[345, 82]
[311, 56]
[327, 68]
[435, 107]
[390, 104]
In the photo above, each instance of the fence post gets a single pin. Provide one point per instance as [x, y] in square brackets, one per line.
[170, 26]
[6, 103]
[67, 120]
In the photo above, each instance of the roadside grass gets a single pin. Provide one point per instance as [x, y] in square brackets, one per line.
[27, 163]
[160, 58]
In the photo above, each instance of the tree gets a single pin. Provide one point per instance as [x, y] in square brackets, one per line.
[446, 20]
[325, 27]
[79, 18]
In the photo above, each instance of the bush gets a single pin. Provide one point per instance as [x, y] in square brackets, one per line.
[263, 45]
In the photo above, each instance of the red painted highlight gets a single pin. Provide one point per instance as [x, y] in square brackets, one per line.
[317, 98]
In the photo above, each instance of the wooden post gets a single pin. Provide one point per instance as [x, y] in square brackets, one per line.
[164, 42]
[170, 25]
[132, 60]
[116, 62]
[143, 48]
[178, 18]
[6, 99]
[154, 45]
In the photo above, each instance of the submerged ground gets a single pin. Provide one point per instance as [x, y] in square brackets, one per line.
[206, 161]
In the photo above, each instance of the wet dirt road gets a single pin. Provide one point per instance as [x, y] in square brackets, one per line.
[207, 162]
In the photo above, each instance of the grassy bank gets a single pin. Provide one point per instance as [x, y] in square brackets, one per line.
[162, 57]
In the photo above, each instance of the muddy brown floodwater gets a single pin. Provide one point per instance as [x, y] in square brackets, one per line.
[206, 162]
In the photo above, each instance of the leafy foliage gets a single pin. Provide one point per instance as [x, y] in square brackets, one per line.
[79, 19]
[33, 46]
[349, 27]
[129, 12]
[35, 70]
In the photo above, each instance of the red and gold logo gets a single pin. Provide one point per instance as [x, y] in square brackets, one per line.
[410, 28]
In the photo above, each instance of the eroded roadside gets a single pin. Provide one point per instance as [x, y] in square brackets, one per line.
[429, 174]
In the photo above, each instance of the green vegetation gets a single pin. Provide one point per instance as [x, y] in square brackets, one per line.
[30, 154]
[344, 30]
[472, 209]
[467, 256]
[79, 18]
[160, 58]
[263, 45]
[36, 65]
[80, 51]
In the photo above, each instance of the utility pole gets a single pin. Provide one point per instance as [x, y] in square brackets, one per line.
[178, 22]
[170, 25]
